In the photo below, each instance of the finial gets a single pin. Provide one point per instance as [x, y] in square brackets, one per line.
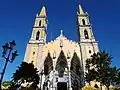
[54, 55]
[68, 55]
[80, 10]
[36, 15]
[43, 11]
[61, 33]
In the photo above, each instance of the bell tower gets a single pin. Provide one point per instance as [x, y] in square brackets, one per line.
[40, 27]
[84, 26]
[37, 40]
[88, 44]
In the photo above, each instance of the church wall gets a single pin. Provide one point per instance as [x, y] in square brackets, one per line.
[39, 60]
[26, 57]
[31, 53]
[88, 49]
[54, 47]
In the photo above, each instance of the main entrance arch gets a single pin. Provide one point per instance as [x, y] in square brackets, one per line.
[61, 86]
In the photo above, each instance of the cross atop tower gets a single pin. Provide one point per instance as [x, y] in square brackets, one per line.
[61, 33]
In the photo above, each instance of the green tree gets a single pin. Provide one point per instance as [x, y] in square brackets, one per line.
[7, 84]
[99, 68]
[27, 75]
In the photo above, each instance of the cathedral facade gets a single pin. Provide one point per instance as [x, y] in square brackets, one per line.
[61, 62]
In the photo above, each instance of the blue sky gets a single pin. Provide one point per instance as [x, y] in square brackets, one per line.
[17, 19]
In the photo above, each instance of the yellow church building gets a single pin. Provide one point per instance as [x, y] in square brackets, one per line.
[61, 62]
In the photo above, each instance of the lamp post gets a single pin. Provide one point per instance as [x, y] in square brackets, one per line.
[7, 49]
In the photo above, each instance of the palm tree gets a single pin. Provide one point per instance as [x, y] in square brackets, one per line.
[102, 61]
[99, 68]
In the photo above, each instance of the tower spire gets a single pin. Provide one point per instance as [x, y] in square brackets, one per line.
[43, 11]
[80, 10]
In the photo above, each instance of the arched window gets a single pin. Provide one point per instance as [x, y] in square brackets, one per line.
[48, 64]
[37, 35]
[75, 64]
[83, 21]
[90, 51]
[76, 71]
[46, 69]
[61, 64]
[86, 34]
[40, 23]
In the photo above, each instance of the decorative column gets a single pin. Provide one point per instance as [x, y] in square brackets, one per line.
[41, 74]
[69, 73]
[54, 57]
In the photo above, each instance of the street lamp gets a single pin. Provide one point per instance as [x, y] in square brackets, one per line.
[7, 49]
